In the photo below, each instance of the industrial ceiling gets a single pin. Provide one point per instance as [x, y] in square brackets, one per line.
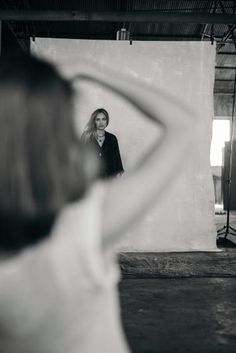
[157, 20]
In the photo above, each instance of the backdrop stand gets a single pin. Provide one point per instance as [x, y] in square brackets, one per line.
[223, 233]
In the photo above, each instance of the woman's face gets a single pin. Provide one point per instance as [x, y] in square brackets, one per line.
[100, 122]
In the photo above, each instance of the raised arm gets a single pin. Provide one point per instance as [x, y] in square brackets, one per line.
[128, 198]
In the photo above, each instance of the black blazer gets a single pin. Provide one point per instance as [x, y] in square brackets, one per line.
[109, 155]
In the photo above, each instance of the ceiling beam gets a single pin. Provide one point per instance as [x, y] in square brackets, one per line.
[117, 16]
[231, 29]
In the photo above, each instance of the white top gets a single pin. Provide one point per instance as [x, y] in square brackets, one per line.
[61, 296]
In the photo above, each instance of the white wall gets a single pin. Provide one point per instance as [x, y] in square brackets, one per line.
[185, 219]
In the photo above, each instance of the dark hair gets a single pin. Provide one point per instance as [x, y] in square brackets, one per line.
[91, 126]
[41, 159]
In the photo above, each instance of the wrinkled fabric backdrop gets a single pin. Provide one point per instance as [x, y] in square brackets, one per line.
[183, 220]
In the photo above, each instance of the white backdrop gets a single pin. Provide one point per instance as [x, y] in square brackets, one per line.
[185, 218]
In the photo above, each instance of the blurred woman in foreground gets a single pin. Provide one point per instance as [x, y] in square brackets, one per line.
[58, 277]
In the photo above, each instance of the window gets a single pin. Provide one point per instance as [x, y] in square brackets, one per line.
[220, 134]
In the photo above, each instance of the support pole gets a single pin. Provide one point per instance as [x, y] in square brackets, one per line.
[227, 229]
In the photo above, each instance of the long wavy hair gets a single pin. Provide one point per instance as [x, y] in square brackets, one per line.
[41, 157]
[90, 128]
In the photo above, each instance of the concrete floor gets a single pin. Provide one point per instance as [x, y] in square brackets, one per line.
[188, 315]
[180, 303]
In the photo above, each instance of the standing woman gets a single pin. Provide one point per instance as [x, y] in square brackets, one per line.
[104, 144]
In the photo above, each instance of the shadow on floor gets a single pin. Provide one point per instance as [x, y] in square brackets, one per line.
[224, 243]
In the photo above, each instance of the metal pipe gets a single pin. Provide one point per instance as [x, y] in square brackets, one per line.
[225, 67]
[229, 33]
[227, 53]
[231, 28]
[229, 181]
[224, 80]
[223, 93]
[203, 33]
[117, 16]
[0, 37]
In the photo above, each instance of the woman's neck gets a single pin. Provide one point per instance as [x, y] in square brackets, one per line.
[100, 133]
